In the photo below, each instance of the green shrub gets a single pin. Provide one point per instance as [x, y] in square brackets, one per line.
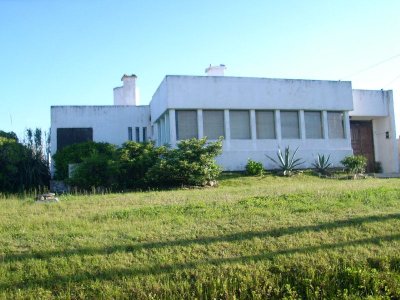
[287, 162]
[192, 163]
[77, 153]
[134, 161]
[355, 164]
[96, 171]
[254, 168]
[139, 165]
[22, 166]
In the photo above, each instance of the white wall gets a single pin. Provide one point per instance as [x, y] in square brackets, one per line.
[110, 123]
[202, 92]
[378, 107]
[237, 152]
[370, 103]
[193, 92]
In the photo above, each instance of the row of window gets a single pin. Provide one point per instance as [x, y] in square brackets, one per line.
[240, 128]
[137, 134]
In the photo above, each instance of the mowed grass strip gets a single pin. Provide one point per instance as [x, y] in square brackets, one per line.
[250, 238]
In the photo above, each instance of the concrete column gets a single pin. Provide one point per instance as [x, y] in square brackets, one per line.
[253, 128]
[162, 130]
[278, 132]
[172, 127]
[154, 134]
[302, 125]
[325, 131]
[227, 129]
[392, 133]
[140, 134]
[200, 131]
[346, 124]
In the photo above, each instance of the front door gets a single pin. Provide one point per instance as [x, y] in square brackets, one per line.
[362, 141]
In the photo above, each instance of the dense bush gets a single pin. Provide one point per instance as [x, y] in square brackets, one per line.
[140, 165]
[77, 153]
[22, 166]
[97, 170]
[254, 168]
[192, 163]
[355, 164]
[135, 159]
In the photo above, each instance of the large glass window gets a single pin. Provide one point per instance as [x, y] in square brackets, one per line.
[265, 124]
[240, 124]
[186, 124]
[213, 124]
[313, 123]
[69, 136]
[335, 125]
[290, 125]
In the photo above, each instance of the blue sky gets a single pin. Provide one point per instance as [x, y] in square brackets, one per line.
[75, 52]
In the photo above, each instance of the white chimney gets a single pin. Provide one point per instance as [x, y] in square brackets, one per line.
[216, 70]
[127, 94]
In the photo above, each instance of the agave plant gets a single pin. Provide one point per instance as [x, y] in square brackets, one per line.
[286, 162]
[322, 163]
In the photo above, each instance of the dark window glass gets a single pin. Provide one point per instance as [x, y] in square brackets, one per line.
[69, 136]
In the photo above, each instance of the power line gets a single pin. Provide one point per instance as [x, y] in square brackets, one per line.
[372, 66]
[392, 81]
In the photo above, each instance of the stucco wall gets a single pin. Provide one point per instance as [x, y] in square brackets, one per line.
[196, 92]
[370, 103]
[110, 123]
[378, 107]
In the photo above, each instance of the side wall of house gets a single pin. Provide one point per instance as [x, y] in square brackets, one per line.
[109, 123]
[229, 94]
[378, 107]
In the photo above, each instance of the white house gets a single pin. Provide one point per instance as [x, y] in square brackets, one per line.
[256, 116]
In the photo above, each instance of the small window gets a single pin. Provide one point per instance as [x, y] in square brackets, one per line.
[137, 134]
[144, 134]
[290, 124]
[130, 137]
[186, 124]
[265, 124]
[313, 123]
[240, 124]
[213, 124]
[335, 125]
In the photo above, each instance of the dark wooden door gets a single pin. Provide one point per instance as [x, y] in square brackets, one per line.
[362, 141]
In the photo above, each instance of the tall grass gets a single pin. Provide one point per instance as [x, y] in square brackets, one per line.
[250, 238]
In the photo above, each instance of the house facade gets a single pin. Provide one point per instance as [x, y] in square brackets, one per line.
[256, 117]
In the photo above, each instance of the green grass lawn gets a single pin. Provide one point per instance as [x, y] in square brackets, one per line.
[250, 238]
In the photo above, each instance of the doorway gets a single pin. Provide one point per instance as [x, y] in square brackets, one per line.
[362, 141]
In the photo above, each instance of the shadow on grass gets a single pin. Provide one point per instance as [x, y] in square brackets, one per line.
[234, 237]
[157, 269]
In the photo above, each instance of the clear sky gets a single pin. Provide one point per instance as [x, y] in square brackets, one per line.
[70, 52]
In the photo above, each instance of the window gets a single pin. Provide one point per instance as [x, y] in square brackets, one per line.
[213, 124]
[290, 124]
[335, 125]
[144, 134]
[69, 136]
[265, 124]
[240, 124]
[313, 124]
[186, 124]
[130, 138]
[137, 134]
